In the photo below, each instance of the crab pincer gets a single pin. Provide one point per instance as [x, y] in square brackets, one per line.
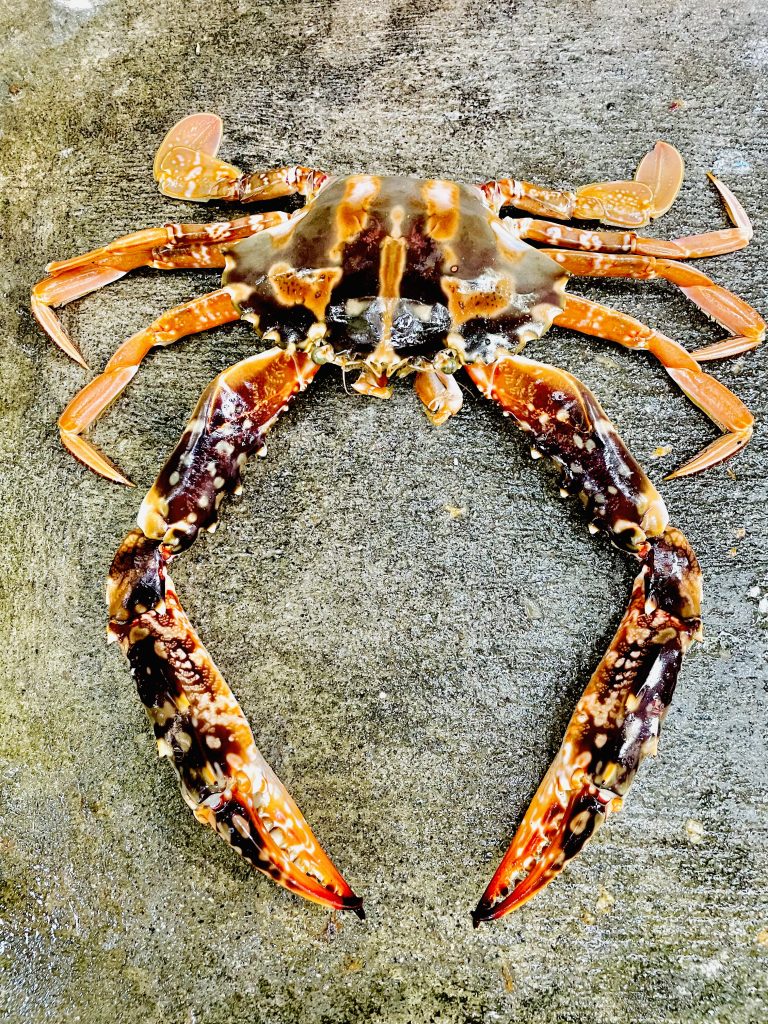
[200, 727]
[197, 720]
[614, 727]
[617, 720]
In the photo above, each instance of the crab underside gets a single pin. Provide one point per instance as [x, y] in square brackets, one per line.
[395, 277]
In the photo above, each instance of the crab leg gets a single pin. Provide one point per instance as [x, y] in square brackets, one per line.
[616, 722]
[197, 720]
[745, 324]
[186, 167]
[200, 314]
[172, 247]
[713, 398]
[440, 394]
[624, 203]
[712, 243]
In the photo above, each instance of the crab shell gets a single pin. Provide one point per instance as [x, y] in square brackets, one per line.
[395, 274]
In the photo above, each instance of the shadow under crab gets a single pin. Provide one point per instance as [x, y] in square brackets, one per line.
[396, 277]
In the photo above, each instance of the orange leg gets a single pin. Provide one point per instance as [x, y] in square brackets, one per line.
[616, 723]
[198, 315]
[747, 327]
[197, 720]
[624, 203]
[712, 397]
[712, 243]
[186, 167]
[172, 247]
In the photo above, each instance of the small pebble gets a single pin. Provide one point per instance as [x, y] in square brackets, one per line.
[695, 831]
[605, 901]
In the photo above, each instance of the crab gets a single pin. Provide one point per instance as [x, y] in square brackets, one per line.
[397, 277]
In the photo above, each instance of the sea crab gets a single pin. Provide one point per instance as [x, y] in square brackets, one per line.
[396, 277]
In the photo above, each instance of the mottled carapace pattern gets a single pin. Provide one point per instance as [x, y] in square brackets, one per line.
[395, 277]
[396, 267]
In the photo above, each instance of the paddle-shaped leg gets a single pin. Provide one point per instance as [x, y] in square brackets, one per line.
[186, 167]
[616, 722]
[197, 720]
[625, 203]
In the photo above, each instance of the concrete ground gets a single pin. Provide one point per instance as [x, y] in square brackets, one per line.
[408, 673]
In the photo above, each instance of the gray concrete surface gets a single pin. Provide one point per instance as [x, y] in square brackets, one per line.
[381, 647]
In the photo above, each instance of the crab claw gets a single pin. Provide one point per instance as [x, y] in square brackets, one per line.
[614, 727]
[200, 727]
[558, 824]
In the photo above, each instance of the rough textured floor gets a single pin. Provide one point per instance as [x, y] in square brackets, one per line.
[408, 674]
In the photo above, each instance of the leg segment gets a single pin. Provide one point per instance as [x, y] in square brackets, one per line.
[712, 397]
[198, 315]
[722, 306]
[172, 247]
[616, 722]
[624, 203]
[186, 167]
[197, 720]
[440, 394]
[712, 243]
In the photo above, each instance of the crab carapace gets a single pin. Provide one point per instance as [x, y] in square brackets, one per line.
[394, 277]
